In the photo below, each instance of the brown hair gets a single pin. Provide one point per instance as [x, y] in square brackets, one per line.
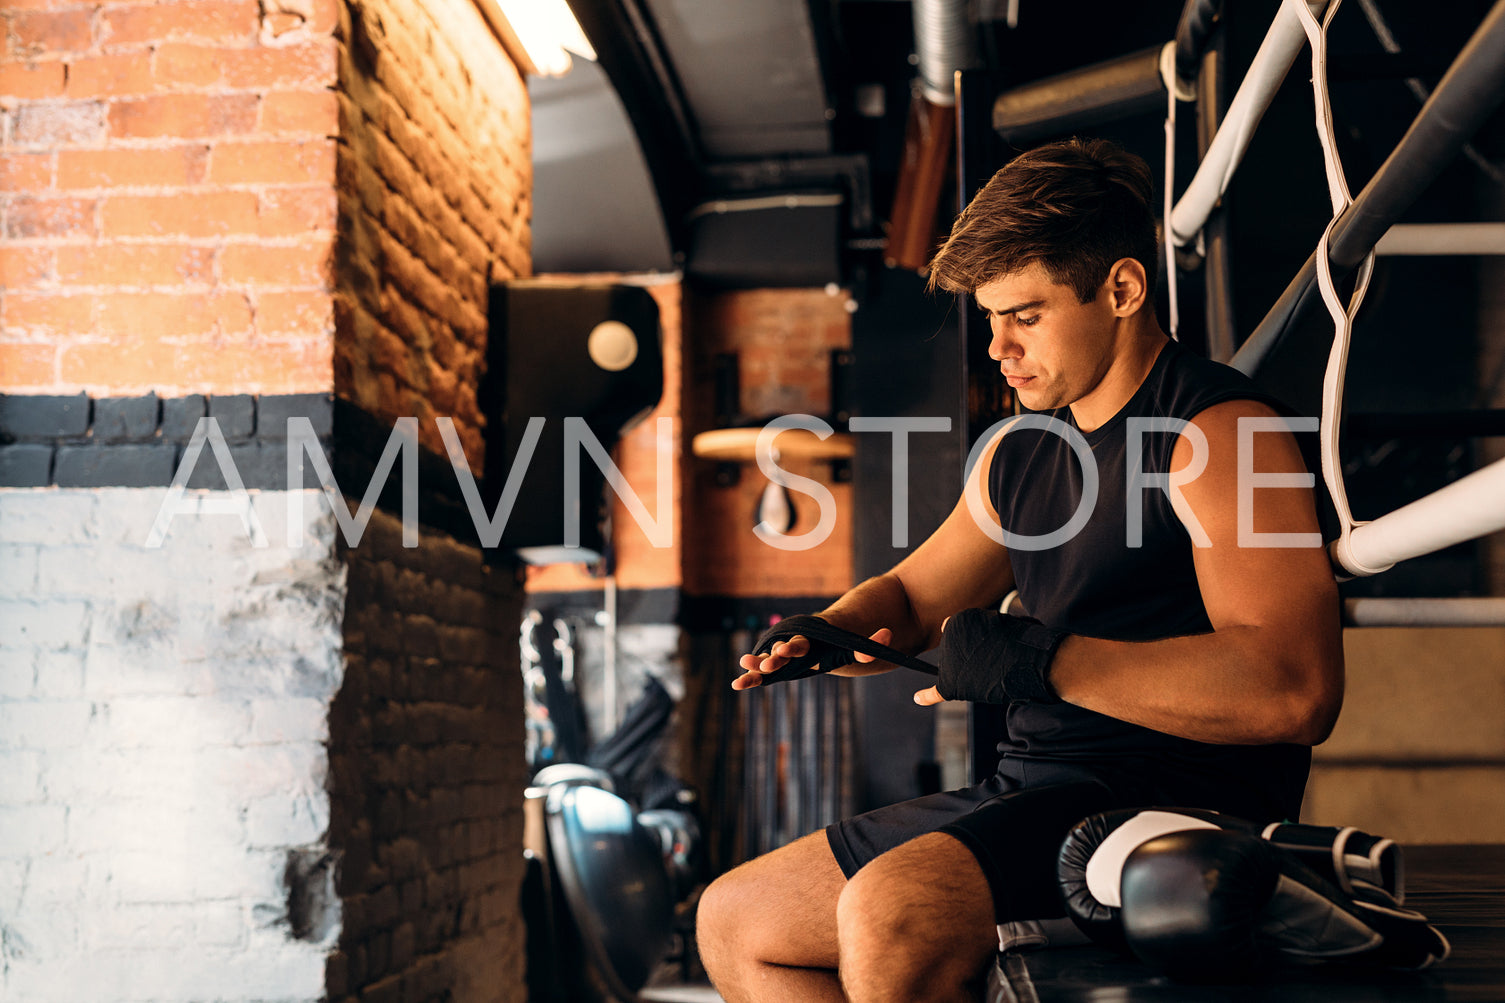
[1075, 206]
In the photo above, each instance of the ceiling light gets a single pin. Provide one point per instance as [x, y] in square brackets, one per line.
[548, 31]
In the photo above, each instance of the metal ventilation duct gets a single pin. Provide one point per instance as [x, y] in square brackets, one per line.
[945, 41]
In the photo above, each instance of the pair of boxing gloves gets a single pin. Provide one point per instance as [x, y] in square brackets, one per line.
[1201, 896]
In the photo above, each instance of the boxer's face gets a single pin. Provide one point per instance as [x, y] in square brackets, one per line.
[1051, 348]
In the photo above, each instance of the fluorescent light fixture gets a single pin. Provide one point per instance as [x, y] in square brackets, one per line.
[548, 31]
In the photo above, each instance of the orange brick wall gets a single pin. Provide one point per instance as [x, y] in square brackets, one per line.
[639, 564]
[166, 190]
[434, 181]
[783, 339]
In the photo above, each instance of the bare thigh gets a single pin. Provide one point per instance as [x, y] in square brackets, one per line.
[779, 908]
[920, 915]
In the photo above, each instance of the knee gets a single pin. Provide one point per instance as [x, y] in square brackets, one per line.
[900, 938]
[714, 914]
[877, 935]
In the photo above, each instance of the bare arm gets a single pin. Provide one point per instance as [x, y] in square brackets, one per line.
[957, 567]
[1272, 668]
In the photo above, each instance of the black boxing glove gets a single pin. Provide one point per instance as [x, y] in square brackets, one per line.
[831, 647]
[992, 657]
[1210, 905]
[1090, 863]
[1366, 867]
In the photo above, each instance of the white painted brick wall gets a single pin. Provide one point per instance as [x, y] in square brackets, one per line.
[20, 777]
[162, 720]
[18, 569]
[279, 820]
[58, 675]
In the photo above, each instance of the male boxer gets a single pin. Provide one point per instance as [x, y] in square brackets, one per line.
[1187, 651]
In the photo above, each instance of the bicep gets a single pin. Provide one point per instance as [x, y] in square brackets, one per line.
[1261, 561]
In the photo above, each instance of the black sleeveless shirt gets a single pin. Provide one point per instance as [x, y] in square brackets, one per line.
[1098, 585]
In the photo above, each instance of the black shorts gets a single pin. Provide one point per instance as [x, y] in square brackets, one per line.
[1014, 831]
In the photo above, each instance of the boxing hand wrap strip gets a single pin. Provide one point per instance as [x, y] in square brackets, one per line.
[991, 657]
[831, 647]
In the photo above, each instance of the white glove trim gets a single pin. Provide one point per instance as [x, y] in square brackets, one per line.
[1106, 866]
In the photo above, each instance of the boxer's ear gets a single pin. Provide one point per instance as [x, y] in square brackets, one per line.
[1127, 287]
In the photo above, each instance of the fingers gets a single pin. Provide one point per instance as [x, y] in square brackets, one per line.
[793, 648]
[883, 636]
[929, 697]
[755, 667]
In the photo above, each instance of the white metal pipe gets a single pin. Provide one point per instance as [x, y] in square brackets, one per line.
[1442, 238]
[1283, 43]
[1471, 611]
[1469, 508]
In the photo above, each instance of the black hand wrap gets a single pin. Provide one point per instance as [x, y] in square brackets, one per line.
[991, 657]
[830, 648]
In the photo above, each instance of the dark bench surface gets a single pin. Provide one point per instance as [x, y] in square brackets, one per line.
[1461, 889]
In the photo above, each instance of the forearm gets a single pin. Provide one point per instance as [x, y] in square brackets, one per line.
[1236, 685]
[875, 603]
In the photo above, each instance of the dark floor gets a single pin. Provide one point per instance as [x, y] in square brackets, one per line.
[1461, 889]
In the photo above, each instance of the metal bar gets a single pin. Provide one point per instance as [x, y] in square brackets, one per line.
[832, 746]
[1283, 42]
[816, 753]
[1081, 98]
[768, 825]
[1460, 612]
[804, 761]
[752, 776]
[1465, 510]
[1442, 238]
[1463, 100]
[1198, 20]
[609, 656]
[1222, 336]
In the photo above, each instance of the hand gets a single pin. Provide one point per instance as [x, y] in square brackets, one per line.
[930, 696]
[992, 657]
[756, 667]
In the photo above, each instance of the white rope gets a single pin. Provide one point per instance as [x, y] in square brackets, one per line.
[1169, 203]
[1342, 315]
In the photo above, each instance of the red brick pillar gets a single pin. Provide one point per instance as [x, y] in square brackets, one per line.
[250, 210]
[169, 206]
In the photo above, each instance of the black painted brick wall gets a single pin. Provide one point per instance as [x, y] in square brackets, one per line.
[138, 442]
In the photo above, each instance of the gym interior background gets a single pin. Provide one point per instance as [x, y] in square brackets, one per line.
[297, 770]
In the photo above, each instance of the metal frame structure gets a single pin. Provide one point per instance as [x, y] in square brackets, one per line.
[1467, 95]
[1283, 43]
